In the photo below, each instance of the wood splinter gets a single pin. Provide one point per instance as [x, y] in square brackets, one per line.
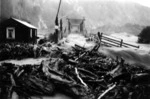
[106, 91]
[76, 71]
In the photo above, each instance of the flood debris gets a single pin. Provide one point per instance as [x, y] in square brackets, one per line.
[80, 73]
[19, 51]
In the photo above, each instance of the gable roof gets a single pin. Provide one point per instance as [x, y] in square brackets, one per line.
[25, 23]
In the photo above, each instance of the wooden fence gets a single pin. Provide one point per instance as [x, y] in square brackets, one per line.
[112, 41]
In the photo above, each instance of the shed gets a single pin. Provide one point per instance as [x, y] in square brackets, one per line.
[16, 30]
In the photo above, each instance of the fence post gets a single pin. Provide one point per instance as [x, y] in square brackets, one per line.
[100, 36]
[121, 42]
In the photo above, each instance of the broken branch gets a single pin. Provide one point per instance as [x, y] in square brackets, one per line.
[106, 91]
[76, 71]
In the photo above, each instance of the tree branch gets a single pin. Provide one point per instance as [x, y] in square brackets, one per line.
[106, 91]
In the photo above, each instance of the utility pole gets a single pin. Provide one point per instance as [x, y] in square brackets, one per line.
[61, 29]
[57, 24]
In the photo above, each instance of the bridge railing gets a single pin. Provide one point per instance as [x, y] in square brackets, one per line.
[112, 41]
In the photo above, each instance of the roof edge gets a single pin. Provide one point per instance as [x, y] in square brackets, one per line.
[24, 23]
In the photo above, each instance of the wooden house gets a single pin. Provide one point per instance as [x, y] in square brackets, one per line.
[16, 30]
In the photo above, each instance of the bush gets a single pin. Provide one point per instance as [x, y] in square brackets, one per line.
[144, 36]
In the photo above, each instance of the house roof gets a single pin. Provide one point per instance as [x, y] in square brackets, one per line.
[25, 23]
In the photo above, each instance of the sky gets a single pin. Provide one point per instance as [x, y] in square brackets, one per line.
[142, 2]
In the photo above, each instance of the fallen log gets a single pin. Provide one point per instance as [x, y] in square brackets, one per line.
[106, 91]
[80, 47]
[77, 73]
[87, 72]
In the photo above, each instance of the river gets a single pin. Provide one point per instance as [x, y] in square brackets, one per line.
[56, 96]
[133, 56]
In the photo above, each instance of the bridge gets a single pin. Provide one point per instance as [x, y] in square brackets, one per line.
[76, 25]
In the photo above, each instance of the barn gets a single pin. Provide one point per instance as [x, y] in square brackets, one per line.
[16, 30]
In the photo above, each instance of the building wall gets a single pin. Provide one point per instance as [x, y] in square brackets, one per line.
[22, 33]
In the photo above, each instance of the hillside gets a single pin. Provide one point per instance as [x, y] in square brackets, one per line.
[103, 15]
[110, 16]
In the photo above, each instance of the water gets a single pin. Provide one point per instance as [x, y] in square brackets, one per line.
[56, 96]
[139, 56]
[131, 56]
[78, 39]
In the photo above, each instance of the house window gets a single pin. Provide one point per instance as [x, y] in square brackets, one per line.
[31, 33]
[10, 33]
[35, 33]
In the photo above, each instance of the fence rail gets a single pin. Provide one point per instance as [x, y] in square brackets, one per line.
[112, 41]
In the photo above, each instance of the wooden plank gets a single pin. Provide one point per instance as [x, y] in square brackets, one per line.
[110, 43]
[115, 38]
[130, 45]
[107, 38]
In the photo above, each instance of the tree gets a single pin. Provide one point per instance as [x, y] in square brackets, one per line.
[144, 36]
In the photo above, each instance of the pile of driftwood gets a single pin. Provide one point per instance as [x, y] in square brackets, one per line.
[19, 51]
[80, 73]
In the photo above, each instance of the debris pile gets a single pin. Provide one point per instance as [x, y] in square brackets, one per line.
[80, 73]
[19, 51]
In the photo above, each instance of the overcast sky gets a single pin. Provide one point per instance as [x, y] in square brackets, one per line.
[142, 2]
